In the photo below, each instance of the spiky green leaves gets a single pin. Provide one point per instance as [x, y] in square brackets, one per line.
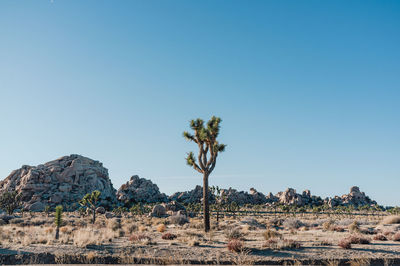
[206, 139]
[197, 124]
[190, 160]
[90, 199]
[58, 216]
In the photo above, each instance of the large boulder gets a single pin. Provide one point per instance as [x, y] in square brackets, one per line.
[63, 181]
[140, 190]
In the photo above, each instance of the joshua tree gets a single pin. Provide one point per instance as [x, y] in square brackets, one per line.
[219, 200]
[90, 201]
[206, 139]
[9, 201]
[58, 220]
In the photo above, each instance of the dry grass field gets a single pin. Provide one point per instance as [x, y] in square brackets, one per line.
[241, 240]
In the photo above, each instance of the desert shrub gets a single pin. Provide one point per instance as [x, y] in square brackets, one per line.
[131, 228]
[178, 219]
[233, 233]
[345, 243]
[135, 237]
[116, 224]
[268, 234]
[344, 222]
[292, 223]
[142, 228]
[168, 236]
[354, 227]
[17, 221]
[380, 237]
[328, 225]
[395, 219]
[396, 237]
[161, 228]
[354, 239]
[235, 245]
[388, 233]
[279, 244]
[337, 229]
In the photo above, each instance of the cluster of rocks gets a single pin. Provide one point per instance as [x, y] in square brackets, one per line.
[66, 180]
[193, 196]
[140, 190]
[62, 181]
[287, 197]
[355, 198]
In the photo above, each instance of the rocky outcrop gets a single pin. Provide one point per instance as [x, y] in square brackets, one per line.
[192, 196]
[290, 197]
[60, 182]
[241, 197]
[355, 198]
[140, 190]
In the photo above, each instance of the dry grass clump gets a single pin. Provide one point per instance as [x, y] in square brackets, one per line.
[88, 236]
[380, 237]
[328, 225]
[235, 245]
[168, 236]
[292, 223]
[345, 243]
[355, 239]
[394, 219]
[280, 244]
[233, 233]
[178, 219]
[268, 234]
[396, 237]
[161, 228]
[354, 227]
[137, 237]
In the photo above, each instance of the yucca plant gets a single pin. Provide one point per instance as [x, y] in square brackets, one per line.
[58, 219]
[90, 201]
[209, 148]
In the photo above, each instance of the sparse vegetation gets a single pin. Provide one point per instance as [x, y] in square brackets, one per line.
[90, 201]
[345, 243]
[10, 201]
[235, 245]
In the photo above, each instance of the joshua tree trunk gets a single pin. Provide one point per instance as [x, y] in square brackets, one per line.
[205, 203]
[57, 232]
[94, 215]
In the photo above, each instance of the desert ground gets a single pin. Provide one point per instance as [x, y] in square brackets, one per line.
[277, 239]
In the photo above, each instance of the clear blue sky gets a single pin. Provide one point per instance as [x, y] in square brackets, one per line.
[309, 91]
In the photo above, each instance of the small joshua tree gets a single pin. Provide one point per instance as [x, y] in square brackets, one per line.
[219, 199]
[10, 201]
[58, 220]
[209, 148]
[90, 201]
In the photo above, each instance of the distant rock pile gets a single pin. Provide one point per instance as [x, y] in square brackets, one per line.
[192, 196]
[287, 197]
[63, 181]
[355, 198]
[66, 180]
[140, 190]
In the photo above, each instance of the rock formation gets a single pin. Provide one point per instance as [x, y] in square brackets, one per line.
[355, 198]
[140, 190]
[63, 181]
[290, 197]
[192, 196]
